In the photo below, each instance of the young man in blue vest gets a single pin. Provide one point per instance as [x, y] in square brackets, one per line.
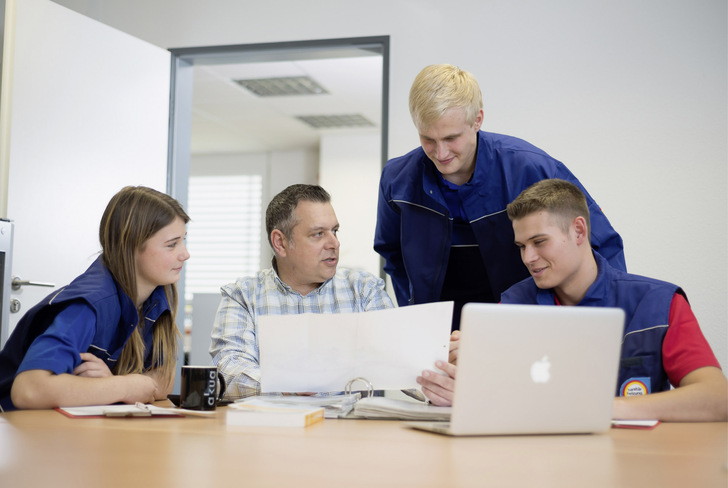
[663, 346]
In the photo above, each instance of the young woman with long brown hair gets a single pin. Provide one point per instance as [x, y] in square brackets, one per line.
[110, 335]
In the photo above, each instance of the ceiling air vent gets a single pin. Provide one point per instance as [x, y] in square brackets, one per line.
[279, 87]
[335, 121]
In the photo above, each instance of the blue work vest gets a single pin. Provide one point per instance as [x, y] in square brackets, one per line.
[646, 303]
[116, 319]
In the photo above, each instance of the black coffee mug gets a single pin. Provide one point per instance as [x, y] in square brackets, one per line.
[199, 387]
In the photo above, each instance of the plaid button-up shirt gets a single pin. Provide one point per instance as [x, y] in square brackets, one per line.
[234, 345]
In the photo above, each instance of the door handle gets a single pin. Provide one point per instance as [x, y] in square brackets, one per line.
[17, 282]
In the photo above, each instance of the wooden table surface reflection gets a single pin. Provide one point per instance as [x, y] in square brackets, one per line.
[45, 448]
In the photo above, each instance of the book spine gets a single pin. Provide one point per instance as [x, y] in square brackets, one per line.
[314, 417]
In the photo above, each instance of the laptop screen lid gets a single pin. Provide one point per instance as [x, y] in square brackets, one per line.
[528, 369]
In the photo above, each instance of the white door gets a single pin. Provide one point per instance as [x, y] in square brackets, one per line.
[87, 113]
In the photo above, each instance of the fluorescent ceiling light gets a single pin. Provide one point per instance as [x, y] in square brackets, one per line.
[335, 121]
[278, 87]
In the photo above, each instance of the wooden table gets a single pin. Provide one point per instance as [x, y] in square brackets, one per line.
[45, 448]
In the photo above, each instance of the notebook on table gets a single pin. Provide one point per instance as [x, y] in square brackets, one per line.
[526, 369]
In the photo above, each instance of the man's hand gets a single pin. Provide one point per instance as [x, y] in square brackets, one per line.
[454, 345]
[437, 387]
[700, 397]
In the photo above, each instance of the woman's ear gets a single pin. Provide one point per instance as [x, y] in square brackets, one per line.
[279, 242]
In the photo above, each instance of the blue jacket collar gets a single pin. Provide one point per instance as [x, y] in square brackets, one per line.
[156, 305]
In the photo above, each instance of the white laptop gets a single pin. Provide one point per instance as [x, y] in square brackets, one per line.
[527, 369]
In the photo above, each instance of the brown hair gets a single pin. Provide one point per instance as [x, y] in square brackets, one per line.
[132, 216]
[560, 198]
[279, 214]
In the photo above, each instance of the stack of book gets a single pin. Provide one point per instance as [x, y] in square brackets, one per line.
[259, 412]
[335, 406]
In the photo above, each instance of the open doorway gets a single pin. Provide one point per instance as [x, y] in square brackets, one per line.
[264, 116]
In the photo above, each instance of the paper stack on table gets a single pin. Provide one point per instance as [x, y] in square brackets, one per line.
[334, 405]
[393, 409]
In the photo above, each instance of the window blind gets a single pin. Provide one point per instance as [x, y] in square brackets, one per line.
[224, 233]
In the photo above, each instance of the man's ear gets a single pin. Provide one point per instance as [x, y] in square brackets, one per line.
[279, 242]
[479, 120]
[581, 230]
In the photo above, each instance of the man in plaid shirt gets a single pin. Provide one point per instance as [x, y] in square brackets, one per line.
[302, 230]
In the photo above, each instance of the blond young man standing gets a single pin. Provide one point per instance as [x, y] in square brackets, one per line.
[441, 227]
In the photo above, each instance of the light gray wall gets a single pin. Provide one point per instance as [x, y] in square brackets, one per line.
[631, 95]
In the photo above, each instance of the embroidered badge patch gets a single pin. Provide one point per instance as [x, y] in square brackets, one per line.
[635, 386]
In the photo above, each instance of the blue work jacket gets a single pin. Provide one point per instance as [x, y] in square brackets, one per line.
[414, 227]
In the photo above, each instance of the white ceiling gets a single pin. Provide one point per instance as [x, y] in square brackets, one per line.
[228, 118]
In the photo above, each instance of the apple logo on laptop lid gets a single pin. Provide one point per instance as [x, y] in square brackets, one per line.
[540, 370]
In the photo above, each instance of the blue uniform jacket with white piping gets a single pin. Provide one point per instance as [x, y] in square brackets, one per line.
[414, 226]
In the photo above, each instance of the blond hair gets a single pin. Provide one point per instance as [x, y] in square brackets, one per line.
[439, 87]
[132, 216]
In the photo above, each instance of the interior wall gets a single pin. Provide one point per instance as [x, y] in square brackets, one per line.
[631, 96]
[74, 139]
[350, 165]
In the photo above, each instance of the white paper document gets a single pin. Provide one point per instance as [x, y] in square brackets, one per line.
[323, 352]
